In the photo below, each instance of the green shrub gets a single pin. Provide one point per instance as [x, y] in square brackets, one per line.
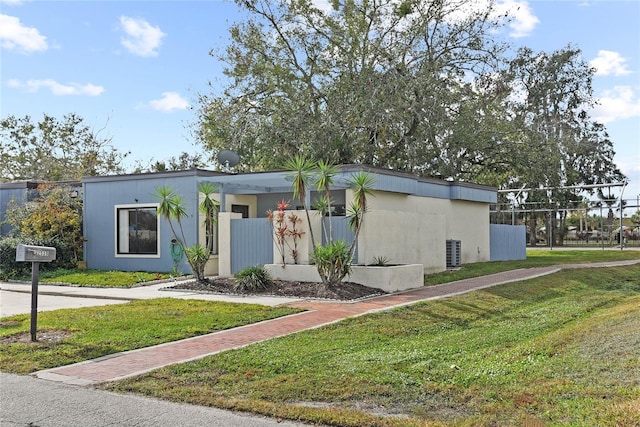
[252, 279]
[380, 261]
[11, 269]
[333, 261]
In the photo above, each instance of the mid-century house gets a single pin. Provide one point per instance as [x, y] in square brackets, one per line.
[410, 220]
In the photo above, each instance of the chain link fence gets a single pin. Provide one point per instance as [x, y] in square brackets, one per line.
[583, 225]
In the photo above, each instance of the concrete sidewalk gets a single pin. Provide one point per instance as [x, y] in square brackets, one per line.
[135, 362]
[15, 298]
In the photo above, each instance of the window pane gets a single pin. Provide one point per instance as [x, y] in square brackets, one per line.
[123, 231]
[141, 235]
[241, 209]
[147, 231]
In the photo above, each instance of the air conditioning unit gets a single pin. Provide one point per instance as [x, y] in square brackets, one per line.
[454, 253]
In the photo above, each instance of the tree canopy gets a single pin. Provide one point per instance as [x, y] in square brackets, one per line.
[175, 163]
[559, 145]
[420, 86]
[364, 82]
[55, 150]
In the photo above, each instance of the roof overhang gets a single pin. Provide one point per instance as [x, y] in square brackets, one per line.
[281, 182]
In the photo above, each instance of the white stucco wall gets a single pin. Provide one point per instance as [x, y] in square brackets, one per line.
[404, 238]
[224, 242]
[304, 243]
[242, 199]
[411, 229]
[469, 222]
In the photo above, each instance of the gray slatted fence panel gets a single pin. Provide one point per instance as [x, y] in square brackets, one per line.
[251, 243]
[508, 242]
[341, 231]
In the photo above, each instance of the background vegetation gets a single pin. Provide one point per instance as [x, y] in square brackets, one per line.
[50, 216]
[55, 149]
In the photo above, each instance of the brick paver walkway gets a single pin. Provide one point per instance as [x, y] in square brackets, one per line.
[135, 362]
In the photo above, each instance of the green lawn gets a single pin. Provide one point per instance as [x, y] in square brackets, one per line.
[101, 278]
[97, 331]
[535, 258]
[563, 349]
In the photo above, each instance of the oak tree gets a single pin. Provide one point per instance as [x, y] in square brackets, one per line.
[420, 86]
[365, 81]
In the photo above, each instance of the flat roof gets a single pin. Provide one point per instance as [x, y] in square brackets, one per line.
[35, 184]
[279, 181]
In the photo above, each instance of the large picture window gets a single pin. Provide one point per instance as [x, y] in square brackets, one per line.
[137, 230]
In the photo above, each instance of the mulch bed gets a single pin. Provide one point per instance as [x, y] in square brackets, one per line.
[346, 291]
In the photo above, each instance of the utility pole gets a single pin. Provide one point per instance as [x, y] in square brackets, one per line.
[624, 185]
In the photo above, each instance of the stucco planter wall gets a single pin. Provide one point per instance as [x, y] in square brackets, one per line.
[387, 278]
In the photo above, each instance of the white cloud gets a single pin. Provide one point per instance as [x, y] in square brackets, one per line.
[15, 35]
[57, 88]
[609, 63]
[617, 104]
[523, 21]
[516, 13]
[142, 38]
[170, 101]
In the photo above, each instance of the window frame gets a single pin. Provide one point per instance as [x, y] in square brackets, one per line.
[241, 209]
[130, 207]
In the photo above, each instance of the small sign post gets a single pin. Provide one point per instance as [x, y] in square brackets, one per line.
[36, 255]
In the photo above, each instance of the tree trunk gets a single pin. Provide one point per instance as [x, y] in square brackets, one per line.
[533, 238]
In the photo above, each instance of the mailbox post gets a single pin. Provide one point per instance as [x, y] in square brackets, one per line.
[36, 255]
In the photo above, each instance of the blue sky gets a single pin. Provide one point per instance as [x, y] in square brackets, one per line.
[135, 67]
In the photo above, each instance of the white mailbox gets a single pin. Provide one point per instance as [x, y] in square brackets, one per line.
[35, 253]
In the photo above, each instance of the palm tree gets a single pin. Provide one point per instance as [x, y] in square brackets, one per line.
[361, 184]
[333, 259]
[324, 180]
[209, 207]
[301, 171]
[172, 208]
